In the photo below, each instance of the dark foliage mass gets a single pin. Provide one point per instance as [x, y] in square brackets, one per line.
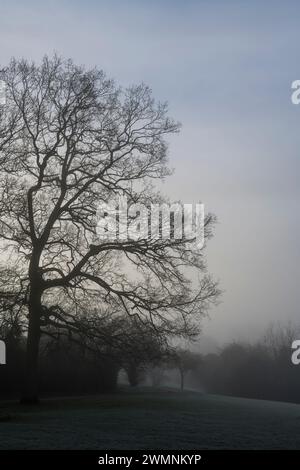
[79, 365]
[65, 369]
[263, 370]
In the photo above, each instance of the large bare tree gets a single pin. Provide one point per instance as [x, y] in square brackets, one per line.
[69, 140]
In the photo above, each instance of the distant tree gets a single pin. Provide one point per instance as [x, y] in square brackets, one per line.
[69, 140]
[278, 339]
[145, 348]
[157, 374]
[184, 361]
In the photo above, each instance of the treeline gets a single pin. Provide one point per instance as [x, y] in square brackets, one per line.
[250, 371]
[65, 369]
[263, 370]
[70, 364]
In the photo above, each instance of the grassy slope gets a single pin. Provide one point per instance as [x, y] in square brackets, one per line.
[151, 420]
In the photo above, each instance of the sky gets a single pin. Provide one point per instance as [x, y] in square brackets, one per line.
[226, 69]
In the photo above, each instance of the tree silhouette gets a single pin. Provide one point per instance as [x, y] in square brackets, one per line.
[69, 140]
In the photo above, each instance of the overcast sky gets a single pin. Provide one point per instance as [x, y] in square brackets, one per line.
[226, 69]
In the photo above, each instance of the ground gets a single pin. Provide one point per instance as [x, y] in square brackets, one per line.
[147, 419]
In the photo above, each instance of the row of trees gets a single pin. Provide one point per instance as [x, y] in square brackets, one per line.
[70, 365]
[262, 370]
[71, 139]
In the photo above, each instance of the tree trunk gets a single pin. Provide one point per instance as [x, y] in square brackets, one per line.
[181, 379]
[133, 375]
[30, 392]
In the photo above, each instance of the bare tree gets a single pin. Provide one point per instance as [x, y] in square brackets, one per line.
[278, 339]
[141, 349]
[184, 361]
[69, 140]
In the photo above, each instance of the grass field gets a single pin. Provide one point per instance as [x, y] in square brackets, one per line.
[148, 419]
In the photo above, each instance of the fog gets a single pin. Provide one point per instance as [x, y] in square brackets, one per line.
[226, 72]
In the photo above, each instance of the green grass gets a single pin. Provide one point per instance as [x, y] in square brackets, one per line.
[148, 419]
